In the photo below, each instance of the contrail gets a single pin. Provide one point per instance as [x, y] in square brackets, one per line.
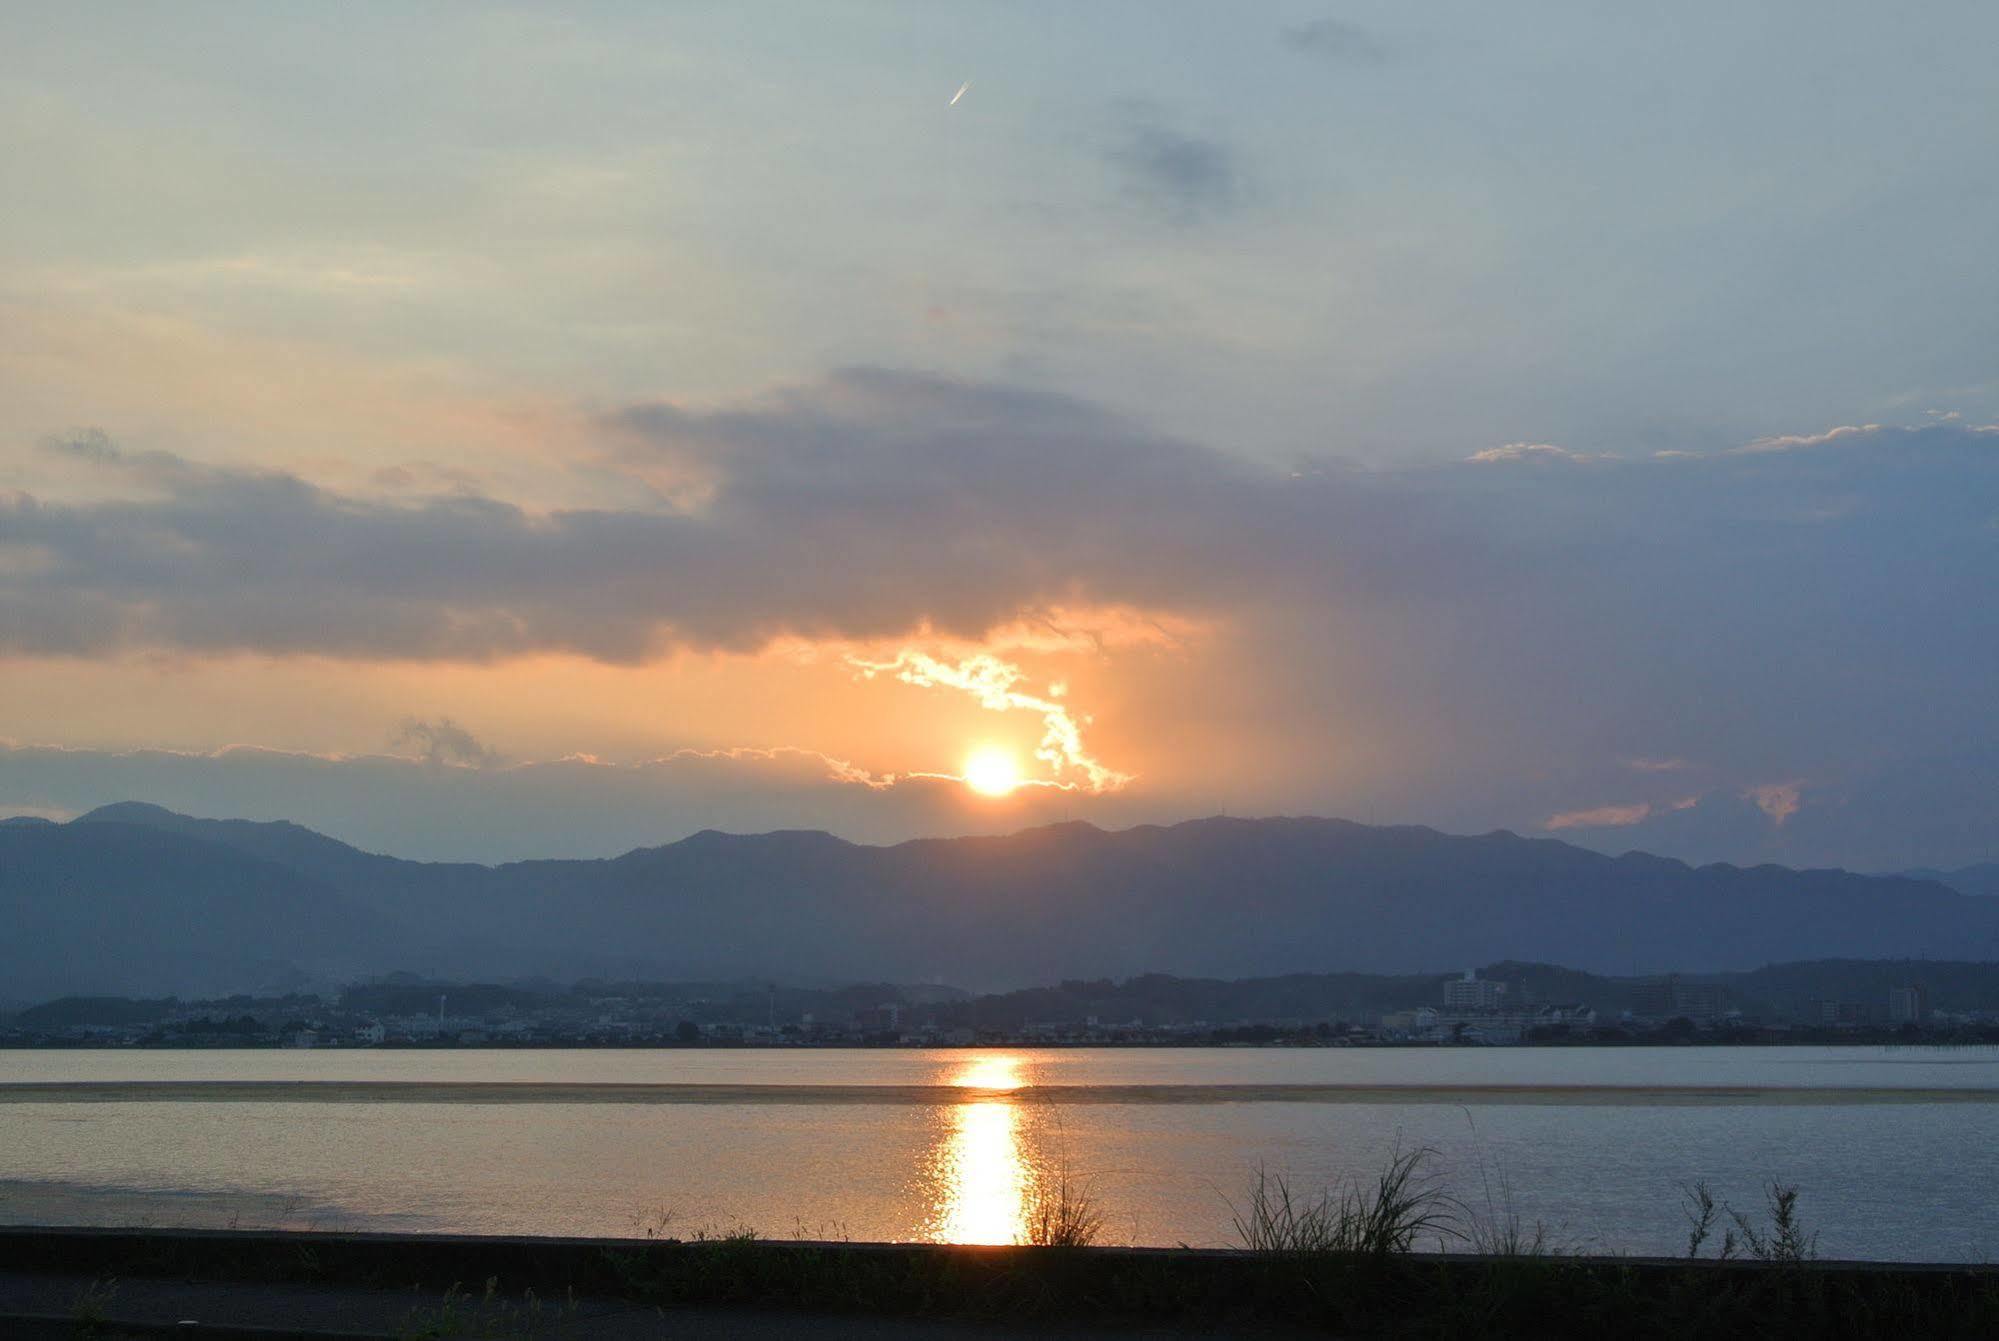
[959, 94]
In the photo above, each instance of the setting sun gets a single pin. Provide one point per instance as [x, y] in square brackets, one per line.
[992, 771]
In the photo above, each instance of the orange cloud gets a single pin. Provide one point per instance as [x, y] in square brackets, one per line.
[1599, 817]
[838, 770]
[992, 681]
[1617, 817]
[1778, 800]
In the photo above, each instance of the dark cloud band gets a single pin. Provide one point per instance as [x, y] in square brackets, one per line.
[874, 503]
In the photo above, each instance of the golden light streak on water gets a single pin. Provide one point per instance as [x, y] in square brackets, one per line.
[981, 1169]
[984, 1176]
[999, 1071]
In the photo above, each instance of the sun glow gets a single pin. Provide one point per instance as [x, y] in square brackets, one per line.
[992, 771]
[996, 1072]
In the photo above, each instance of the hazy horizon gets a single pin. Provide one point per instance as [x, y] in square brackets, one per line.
[1017, 825]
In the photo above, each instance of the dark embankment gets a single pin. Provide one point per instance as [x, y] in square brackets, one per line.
[1417, 1295]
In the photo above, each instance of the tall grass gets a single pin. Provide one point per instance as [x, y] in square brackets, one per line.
[1783, 1240]
[1403, 1204]
[1702, 1211]
[1066, 1212]
[1786, 1239]
[1495, 1228]
[1502, 1233]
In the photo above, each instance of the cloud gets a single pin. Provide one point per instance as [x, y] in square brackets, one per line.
[865, 507]
[444, 742]
[1778, 800]
[1617, 816]
[1599, 817]
[874, 506]
[1534, 451]
[1788, 442]
[1336, 40]
[1185, 177]
[1381, 642]
[837, 770]
[994, 683]
[1644, 765]
[426, 475]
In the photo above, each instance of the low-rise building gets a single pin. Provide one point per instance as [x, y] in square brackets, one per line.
[1472, 993]
[1908, 1005]
[1841, 1013]
[1409, 1023]
[883, 1019]
[1672, 997]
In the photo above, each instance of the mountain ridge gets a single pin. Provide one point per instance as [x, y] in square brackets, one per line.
[1980, 878]
[1220, 896]
[145, 812]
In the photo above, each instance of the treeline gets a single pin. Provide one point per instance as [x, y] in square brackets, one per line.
[1778, 992]
[111, 1012]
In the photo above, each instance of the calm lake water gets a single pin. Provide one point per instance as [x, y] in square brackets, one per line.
[1896, 1150]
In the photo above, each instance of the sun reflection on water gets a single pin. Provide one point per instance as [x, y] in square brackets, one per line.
[981, 1171]
[983, 1176]
[996, 1072]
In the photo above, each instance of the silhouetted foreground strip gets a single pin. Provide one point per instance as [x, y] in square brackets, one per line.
[1038, 1289]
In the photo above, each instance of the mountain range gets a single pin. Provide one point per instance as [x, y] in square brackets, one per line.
[1980, 879]
[133, 898]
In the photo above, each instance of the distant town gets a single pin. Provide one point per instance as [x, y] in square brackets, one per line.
[1506, 1004]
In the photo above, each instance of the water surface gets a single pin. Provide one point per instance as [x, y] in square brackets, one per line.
[1894, 1148]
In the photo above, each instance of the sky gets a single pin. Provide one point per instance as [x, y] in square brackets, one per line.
[482, 432]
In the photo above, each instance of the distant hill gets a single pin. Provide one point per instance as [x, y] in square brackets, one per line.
[131, 909]
[1982, 879]
[279, 841]
[133, 898]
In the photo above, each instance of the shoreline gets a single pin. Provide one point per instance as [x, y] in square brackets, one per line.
[613, 1092]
